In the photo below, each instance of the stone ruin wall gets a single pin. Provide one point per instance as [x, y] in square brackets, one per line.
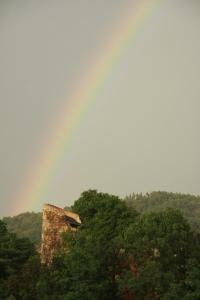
[55, 221]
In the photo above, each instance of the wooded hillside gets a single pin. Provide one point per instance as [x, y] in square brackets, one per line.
[29, 224]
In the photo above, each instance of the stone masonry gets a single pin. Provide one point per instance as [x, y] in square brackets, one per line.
[55, 220]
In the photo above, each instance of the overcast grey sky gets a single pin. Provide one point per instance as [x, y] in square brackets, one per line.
[142, 132]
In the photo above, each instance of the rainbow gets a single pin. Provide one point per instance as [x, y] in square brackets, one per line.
[89, 87]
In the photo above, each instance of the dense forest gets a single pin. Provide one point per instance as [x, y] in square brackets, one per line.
[189, 205]
[138, 249]
[29, 224]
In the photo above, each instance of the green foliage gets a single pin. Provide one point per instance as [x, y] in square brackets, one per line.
[160, 245]
[189, 287]
[116, 252]
[14, 253]
[88, 269]
[29, 224]
[26, 225]
[189, 205]
[99, 208]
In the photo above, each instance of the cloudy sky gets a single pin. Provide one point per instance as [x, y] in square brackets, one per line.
[142, 131]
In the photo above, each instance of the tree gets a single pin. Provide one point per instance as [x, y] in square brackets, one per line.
[27, 225]
[89, 269]
[189, 287]
[189, 205]
[14, 253]
[159, 245]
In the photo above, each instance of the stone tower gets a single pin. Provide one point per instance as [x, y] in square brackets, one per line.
[55, 220]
